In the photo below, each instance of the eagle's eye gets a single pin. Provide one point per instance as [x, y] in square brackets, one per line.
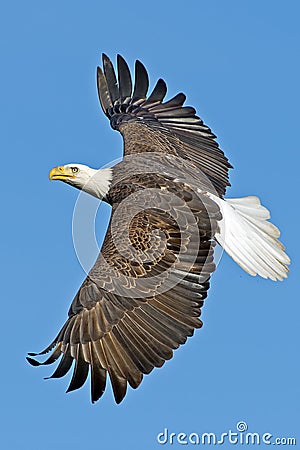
[74, 169]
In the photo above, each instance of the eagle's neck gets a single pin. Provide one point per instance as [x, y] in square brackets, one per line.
[99, 182]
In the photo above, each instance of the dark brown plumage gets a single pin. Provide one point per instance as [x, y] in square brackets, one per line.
[121, 320]
[149, 125]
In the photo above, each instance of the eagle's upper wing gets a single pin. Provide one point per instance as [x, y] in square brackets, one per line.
[142, 298]
[149, 125]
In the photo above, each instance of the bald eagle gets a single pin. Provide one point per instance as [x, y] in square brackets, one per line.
[142, 298]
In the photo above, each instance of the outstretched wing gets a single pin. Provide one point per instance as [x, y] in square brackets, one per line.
[151, 125]
[142, 298]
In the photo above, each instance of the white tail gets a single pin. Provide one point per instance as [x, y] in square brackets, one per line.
[249, 239]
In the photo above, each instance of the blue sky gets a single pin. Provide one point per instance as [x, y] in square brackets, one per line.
[238, 63]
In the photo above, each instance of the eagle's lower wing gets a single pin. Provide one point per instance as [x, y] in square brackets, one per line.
[149, 125]
[143, 296]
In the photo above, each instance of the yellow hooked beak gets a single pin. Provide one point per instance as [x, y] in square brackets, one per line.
[61, 173]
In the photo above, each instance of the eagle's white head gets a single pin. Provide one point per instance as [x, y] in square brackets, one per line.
[93, 181]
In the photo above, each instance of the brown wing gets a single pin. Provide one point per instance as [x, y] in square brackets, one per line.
[142, 298]
[149, 124]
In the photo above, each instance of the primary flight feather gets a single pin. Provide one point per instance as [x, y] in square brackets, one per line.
[143, 296]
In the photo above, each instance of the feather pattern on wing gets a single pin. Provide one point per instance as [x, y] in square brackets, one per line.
[163, 126]
[121, 321]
